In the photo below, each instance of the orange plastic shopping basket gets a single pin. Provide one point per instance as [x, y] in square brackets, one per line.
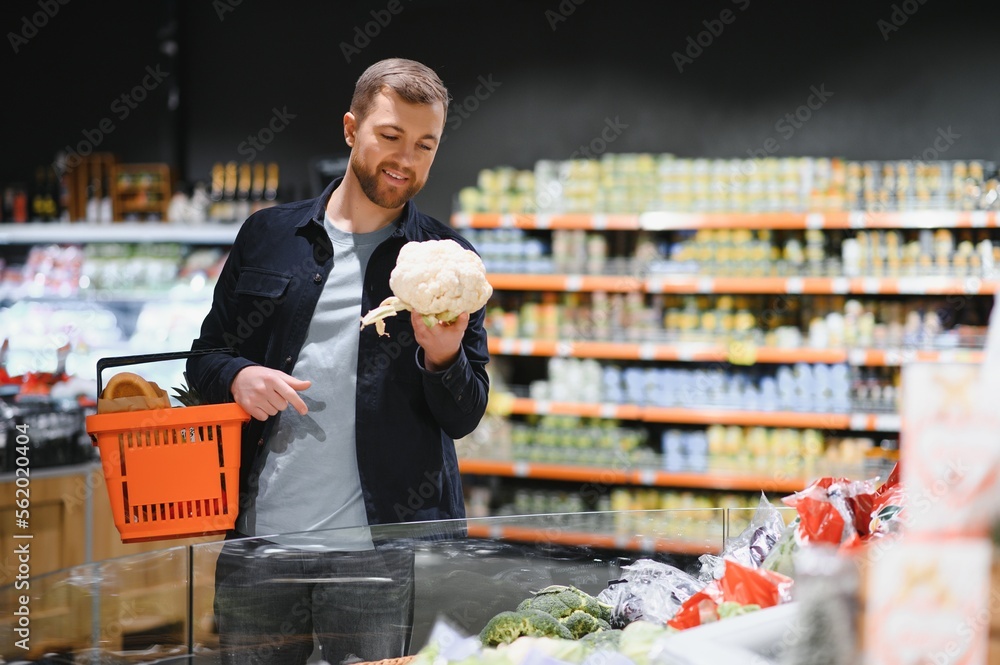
[170, 473]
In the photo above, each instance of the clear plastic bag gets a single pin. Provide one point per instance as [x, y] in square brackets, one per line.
[650, 591]
[751, 547]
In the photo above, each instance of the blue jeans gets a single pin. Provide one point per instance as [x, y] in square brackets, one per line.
[270, 600]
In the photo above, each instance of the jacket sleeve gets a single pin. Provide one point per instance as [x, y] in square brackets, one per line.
[212, 374]
[457, 396]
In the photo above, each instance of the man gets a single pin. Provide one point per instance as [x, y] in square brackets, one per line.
[369, 437]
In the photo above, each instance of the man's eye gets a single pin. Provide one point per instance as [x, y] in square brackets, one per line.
[424, 146]
[389, 137]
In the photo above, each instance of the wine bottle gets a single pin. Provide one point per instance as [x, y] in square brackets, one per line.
[271, 187]
[38, 195]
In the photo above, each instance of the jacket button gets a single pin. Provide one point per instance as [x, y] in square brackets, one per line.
[260, 441]
[317, 278]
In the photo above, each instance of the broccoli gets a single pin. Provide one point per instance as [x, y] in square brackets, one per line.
[729, 609]
[561, 601]
[606, 640]
[580, 623]
[506, 627]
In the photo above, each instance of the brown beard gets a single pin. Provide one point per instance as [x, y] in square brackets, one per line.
[370, 181]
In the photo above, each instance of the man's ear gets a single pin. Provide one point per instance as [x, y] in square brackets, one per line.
[350, 128]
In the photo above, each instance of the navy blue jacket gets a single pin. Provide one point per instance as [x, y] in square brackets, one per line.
[406, 417]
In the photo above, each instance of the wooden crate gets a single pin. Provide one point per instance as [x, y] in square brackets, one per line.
[141, 191]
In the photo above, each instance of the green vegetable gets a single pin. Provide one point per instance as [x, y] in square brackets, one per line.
[561, 601]
[639, 639]
[606, 640]
[506, 627]
[580, 623]
[729, 609]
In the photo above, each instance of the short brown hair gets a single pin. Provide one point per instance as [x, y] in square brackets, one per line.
[416, 83]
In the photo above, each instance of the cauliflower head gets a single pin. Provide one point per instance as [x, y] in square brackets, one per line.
[438, 279]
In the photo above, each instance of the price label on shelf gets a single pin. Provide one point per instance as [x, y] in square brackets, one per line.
[609, 410]
[840, 285]
[858, 357]
[742, 353]
[978, 219]
[895, 357]
[972, 286]
[794, 285]
[705, 285]
[647, 351]
[685, 353]
[888, 422]
[871, 285]
[521, 470]
[508, 347]
[508, 221]
[574, 283]
[815, 220]
[599, 222]
[526, 348]
[564, 349]
[912, 285]
[654, 285]
[543, 220]
[859, 422]
[647, 477]
[542, 407]
[463, 220]
[857, 219]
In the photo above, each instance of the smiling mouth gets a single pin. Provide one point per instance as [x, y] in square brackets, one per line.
[395, 176]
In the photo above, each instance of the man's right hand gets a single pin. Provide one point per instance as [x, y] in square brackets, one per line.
[263, 391]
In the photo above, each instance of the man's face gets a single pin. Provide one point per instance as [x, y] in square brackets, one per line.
[394, 147]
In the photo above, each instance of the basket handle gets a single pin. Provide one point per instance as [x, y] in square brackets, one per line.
[118, 361]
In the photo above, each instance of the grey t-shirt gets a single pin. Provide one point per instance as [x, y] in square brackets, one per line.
[309, 481]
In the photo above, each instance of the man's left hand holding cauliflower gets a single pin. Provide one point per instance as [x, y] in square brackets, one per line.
[439, 342]
[440, 283]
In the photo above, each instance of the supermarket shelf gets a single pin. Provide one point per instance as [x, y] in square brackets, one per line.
[666, 221]
[859, 422]
[825, 285]
[589, 221]
[132, 232]
[201, 297]
[596, 540]
[686, 284]
[695, 352]
[572, 283]
[643, 477]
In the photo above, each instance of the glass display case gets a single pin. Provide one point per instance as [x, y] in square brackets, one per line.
[161, 606]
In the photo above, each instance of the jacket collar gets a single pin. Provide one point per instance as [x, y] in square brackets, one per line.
[318, 211]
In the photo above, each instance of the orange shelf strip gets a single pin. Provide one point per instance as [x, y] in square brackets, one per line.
[667, 221]
[640, 477]
[865, 422]
[747, 285]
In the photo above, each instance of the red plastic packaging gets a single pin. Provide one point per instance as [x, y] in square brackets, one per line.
[738, 584]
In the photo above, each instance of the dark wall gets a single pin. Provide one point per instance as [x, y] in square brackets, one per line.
[557, 73]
